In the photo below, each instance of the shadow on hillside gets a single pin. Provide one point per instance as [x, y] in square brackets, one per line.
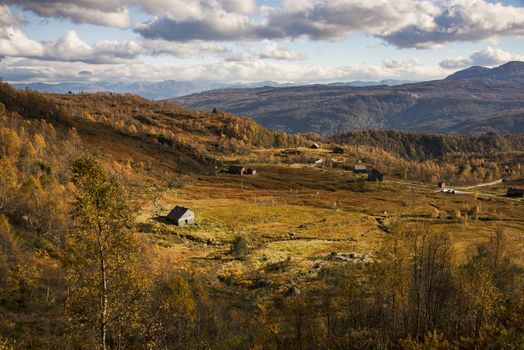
[162, 219]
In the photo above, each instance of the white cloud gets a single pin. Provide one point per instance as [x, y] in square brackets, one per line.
[486, 57]
[396, 64]
[6, 18]
[402, 23]
[279, 53]
[244, 71]
[182, 50]
[14, 43]
[460, 20]
[112, 13]
[70, 48]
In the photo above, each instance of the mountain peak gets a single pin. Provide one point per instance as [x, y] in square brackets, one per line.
[512, 71]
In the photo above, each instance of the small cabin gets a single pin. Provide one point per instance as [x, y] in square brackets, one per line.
[515, 192]
[250, 171]
[441, 185]
[315, 146]
[181, 216]
[338, 150]
[360, 168]
[375, 175]
[237, 169]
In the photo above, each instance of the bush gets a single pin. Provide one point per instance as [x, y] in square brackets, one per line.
[239, 248]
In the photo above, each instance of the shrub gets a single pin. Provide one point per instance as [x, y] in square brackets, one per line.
[239, 248]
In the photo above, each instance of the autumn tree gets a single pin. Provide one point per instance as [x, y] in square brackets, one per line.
[239, 248]
[105, 265]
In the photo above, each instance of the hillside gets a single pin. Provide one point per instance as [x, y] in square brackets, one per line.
[132, 129]
[511, 71]
[300, 253]
[170, 88]
[460, 103]
[431, 146]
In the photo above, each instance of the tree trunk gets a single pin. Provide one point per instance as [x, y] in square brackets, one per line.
[103, 296]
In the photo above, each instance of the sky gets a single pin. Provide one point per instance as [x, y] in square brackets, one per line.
[303, 41]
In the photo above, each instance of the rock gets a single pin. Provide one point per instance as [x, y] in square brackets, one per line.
[292, 291]
[262, 283]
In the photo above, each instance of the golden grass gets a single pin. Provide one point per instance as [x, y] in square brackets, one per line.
[306, 213]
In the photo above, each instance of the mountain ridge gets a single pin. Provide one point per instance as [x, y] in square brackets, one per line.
[174, 88]
[432, 106]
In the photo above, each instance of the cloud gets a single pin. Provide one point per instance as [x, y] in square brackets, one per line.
[317, 19]
[182, 50]
[486, 57]
[217, 25]
[72, 48]
[115, 13]
[462, 20]
[112, 13]
[402, 23]
[228, 70]
[237, 56]
[396, 64]
[280, 53]
[335, 19]
[69, 48]
[6, 18]
[14, 43]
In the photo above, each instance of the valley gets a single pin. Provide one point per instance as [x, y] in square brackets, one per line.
[269, 253]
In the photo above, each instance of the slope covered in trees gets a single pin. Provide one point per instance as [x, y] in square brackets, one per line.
[432, 146]
[458, 104]
[84, 263]
[143, 132]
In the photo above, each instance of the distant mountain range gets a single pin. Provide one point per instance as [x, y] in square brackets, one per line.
[473, 100]
[173, 88]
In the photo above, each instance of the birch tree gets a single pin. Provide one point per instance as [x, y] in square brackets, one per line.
[104, 258]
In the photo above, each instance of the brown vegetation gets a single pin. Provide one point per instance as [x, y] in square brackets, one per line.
[296, 257]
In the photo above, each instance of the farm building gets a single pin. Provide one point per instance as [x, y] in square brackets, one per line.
[375, 175]
[515, 192]
[360, 168]
[237, 169]
[181, 216]
[251, 171]
[314, 146]
[338, 150]
[441, 185]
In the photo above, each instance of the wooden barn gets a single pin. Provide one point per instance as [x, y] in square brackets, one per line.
[314, 146]
[237, 169]
[375, 175]
[181, 216]
[515, 192]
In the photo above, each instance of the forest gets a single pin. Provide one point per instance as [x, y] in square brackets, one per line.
[78, 270]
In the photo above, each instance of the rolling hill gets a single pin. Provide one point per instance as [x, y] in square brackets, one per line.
[471, 101]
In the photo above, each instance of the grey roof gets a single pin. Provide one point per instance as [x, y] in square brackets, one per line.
[178, 212]
[360, 167]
